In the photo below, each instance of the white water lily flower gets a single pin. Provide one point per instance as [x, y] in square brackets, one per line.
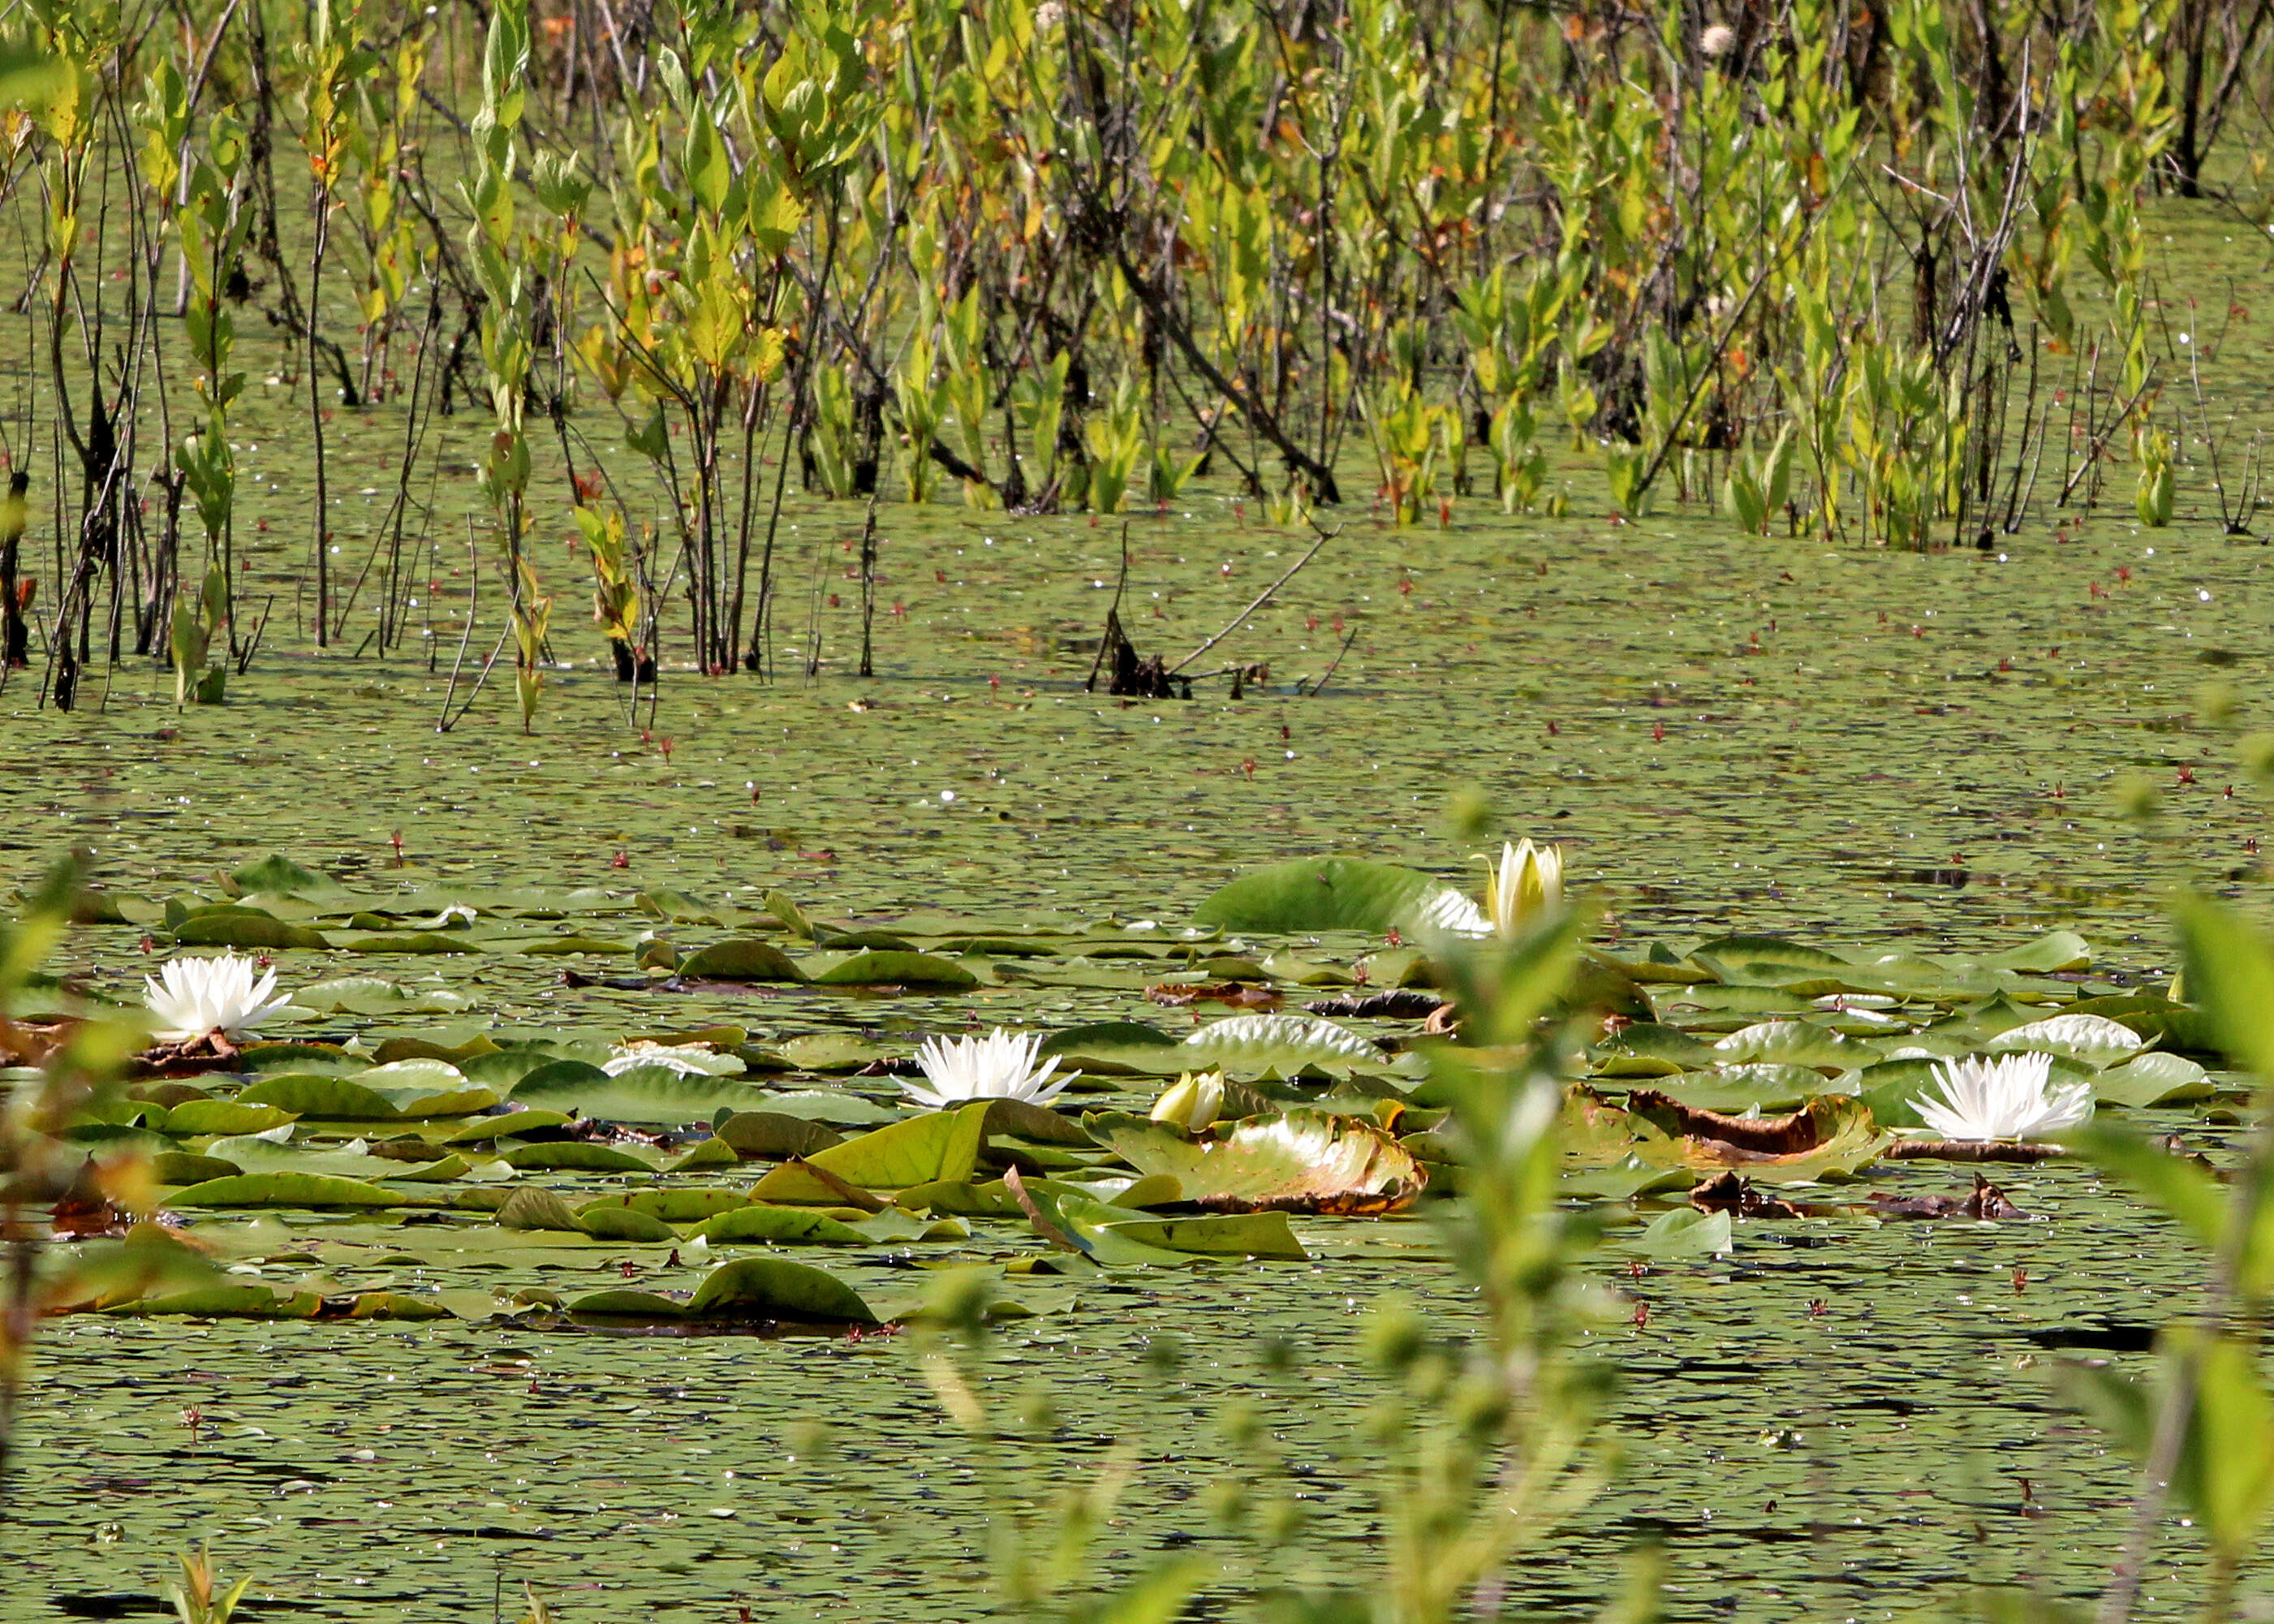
[1000, 1066]
[1193, 1101]
[2010, 1097]
[1527, 882]
[202, 996]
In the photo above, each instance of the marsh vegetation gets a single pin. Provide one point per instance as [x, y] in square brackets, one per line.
[1090, 519]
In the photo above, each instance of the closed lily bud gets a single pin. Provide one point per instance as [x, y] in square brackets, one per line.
[1193, 1101]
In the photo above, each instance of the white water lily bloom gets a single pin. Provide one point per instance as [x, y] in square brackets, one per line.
[1193, 1101]
[200, 996]
[1000, 1066]
[2010, 1097]
[1527, 882]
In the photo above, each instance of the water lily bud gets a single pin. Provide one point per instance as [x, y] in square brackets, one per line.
[1193, 1101]
[1527, 882]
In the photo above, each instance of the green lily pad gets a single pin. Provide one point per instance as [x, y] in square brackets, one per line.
[309, 1190]
[1304, 1161]
[773, 1287]
[1336, 893]
[330, 1099]
[1685, 1232]
[740, 959]
[888, 967]
[786, 1225]
[923, 1150]
[644, 1094]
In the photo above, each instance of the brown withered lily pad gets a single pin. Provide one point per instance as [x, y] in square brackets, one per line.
[1975, 1150]
[212, 1052]
[30, 1042]
[1727, 1193]
[1402, 1004]
[87, 1209]
[1985, 1201]
[1829, 1136]
[1299, 1161]
[1234, 995]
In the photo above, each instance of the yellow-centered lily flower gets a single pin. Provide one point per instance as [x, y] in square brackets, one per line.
[1527, 882]
[1193, 1101]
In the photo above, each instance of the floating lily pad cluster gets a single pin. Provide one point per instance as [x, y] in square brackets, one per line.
[680, 1175]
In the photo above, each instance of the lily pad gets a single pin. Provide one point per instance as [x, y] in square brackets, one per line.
[940, 1146]
[888, 967]
[2094, 1039]
[1279, 1045]
[740, 959]
[1338, 893]
[1300, 1161]
[309, 1190]
[645, 1094]
[773, 1287]
[786, 1225]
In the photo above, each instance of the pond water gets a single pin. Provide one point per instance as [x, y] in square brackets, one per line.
[1843, 1419]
